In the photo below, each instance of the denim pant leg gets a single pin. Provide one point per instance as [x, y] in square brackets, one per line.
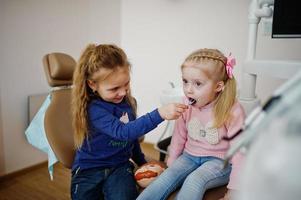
[169, 180]
[120, 184]
[209, 175]
[87, 184]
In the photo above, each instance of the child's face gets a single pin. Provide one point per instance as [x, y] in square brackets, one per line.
[198, 86]
[115, 87]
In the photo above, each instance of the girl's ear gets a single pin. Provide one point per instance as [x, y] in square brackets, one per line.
[92, 85]
[220, 86]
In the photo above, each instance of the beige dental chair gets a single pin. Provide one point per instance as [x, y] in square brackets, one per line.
[59, 69]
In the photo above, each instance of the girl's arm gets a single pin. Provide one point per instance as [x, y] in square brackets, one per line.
[235, 124]
[178, 141]
[105, 122]
[138, 156]
[101, 120]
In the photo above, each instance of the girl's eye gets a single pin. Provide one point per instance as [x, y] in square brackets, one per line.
[185, 81]
[126, 84]
[113, 89]
[198, 84]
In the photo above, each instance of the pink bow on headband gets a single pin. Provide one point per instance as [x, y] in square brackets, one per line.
[229, 65]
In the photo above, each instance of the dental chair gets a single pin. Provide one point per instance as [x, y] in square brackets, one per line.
[59, 69]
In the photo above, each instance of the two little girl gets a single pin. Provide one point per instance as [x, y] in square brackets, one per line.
[107, 130]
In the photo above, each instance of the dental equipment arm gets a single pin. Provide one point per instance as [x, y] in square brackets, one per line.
[256, 116]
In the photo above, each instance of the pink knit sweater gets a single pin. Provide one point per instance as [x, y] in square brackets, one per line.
[193, 134]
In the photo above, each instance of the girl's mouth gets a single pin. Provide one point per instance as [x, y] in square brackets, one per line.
[191, 101]
[119, 99]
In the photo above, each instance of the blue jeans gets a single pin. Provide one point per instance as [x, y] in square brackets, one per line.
[193, 174]
[109, 183]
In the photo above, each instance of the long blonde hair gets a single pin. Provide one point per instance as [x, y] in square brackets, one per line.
[93, 58]
[216, 71]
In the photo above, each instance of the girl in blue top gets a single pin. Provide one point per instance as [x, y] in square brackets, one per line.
[106, 128]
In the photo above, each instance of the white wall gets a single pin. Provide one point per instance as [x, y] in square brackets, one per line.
[2, 162]
[29, 30]
[159, 34]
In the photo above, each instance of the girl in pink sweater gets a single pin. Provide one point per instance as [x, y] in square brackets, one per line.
[197, 149]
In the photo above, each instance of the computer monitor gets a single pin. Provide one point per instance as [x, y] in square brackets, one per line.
[287, 19]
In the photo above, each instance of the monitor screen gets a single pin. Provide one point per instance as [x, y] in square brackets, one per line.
[287, 19]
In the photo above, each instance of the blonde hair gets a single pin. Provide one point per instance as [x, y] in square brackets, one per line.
[215, 69]
[93, 58]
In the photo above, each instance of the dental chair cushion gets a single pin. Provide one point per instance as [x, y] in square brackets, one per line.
[211, 194]
[59, 69]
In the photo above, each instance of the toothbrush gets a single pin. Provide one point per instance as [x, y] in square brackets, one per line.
[191, 101]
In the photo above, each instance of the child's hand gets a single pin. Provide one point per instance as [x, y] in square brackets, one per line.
[172, 111]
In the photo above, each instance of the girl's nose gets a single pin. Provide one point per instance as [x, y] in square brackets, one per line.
[189, 88]
[122, 92]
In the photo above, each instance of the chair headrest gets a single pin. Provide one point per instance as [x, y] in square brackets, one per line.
[59, 68]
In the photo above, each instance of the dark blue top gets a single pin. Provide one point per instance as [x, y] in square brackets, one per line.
[111, 142]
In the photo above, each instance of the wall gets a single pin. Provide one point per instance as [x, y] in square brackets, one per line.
[2, 162]
[158, 35]
[29, 30]
[2, 159]
[2, 166]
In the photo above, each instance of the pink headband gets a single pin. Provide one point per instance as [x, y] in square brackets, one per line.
[229, 65]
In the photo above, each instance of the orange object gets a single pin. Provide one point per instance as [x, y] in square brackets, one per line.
[148, 172]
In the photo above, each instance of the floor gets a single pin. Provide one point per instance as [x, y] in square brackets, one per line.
[36, 184]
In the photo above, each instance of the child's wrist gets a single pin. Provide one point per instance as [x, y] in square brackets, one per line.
[155, 116]
[161, 112]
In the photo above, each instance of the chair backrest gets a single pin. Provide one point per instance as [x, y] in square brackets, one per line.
[59, 69]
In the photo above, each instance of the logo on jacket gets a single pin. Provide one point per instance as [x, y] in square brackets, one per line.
[124, 118]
